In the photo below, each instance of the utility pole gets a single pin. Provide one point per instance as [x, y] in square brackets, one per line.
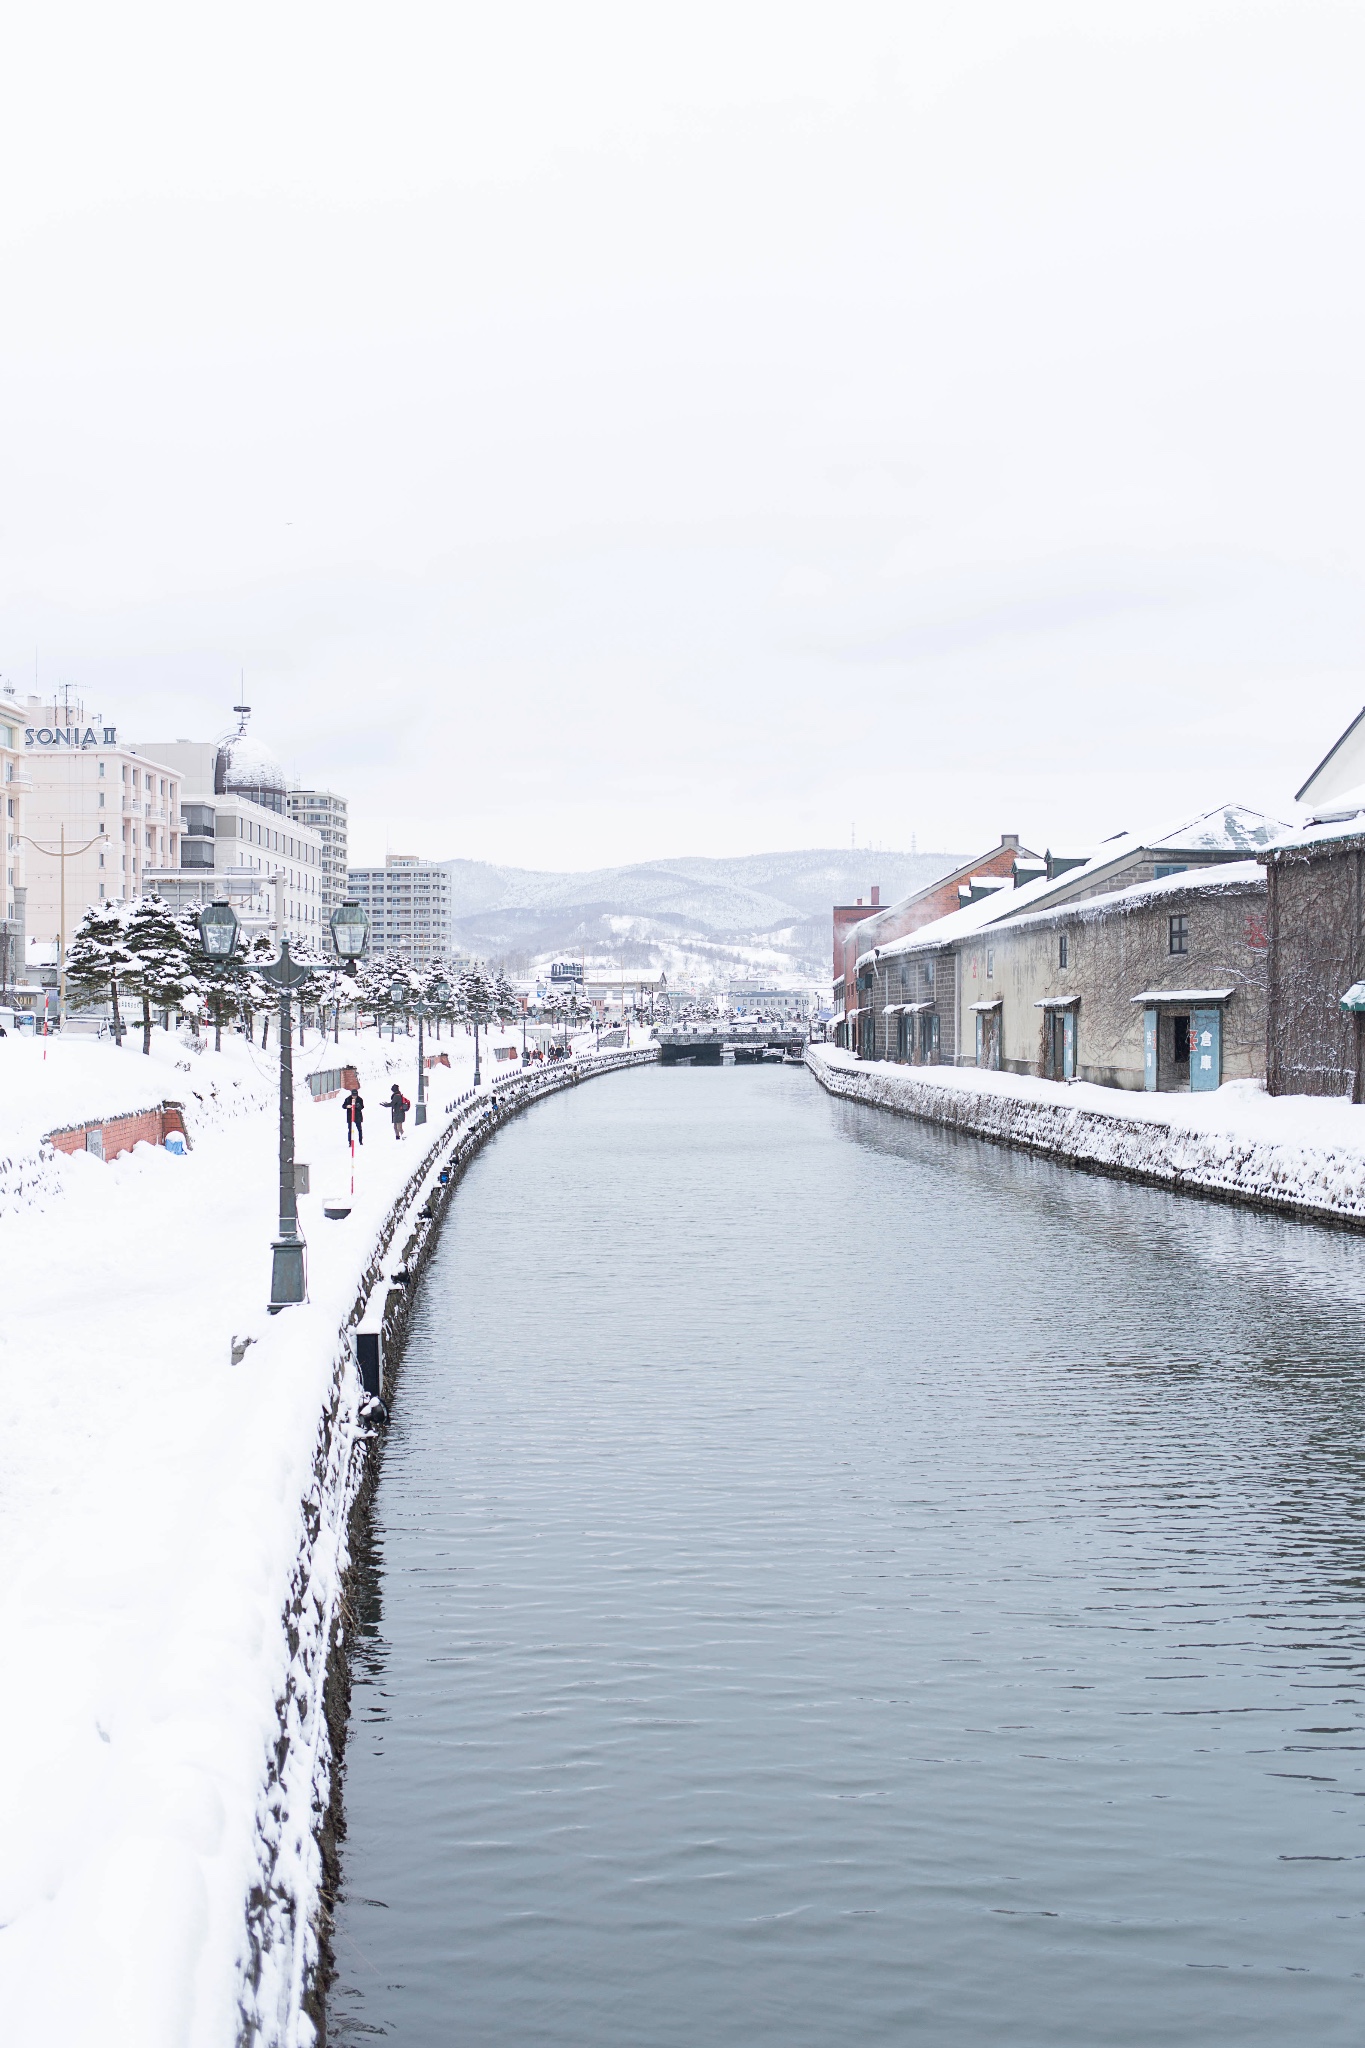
[62, 853]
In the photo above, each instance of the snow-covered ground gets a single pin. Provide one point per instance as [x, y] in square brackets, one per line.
[1300, 1152]
[150, 1509]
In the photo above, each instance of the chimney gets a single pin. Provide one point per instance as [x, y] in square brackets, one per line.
[859, 901]
[1009, 839]
[876, 894]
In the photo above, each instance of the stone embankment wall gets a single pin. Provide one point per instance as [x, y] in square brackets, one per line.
[1321, 1181]
[287, 1957]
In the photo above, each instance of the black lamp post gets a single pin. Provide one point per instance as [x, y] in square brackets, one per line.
[288, 1272]
[218, 933]
[218, 929]
[350, 935]
[433, 1000]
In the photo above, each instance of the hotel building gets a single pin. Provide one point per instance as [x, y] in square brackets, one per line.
[116, 814]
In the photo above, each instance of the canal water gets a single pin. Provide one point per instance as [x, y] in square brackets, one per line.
[837, 1582]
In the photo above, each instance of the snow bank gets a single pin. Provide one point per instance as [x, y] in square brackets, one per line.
[154, 1508]
[1303, 1154]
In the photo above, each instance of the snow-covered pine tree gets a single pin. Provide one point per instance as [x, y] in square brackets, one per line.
[98, 960]
[222, 983]
[476, 1003]
[506, 1002]
[255, 995]
[164, 969]
[371, 986]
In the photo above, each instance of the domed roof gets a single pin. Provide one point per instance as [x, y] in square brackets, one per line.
[249, 765]
[245, 765]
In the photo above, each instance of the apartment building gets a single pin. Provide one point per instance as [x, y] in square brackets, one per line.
[324, 812]
[409, 904]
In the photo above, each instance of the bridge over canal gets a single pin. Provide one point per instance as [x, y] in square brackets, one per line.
[709, 1045]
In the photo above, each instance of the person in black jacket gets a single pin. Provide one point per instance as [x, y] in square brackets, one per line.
[355, 1118]
[398, 1108]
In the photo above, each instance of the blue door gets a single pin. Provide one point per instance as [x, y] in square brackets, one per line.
[1068, 1045]
[1149, 1048]
[1206, 1048]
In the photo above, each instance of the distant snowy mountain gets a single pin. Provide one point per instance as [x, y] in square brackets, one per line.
[762, 915]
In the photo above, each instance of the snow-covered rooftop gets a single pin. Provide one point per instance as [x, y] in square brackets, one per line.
[1323, 833]
[1041, 899]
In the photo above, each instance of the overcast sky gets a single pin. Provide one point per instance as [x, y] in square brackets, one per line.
[601, 432]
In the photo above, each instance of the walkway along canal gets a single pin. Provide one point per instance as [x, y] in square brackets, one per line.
[834, 1580]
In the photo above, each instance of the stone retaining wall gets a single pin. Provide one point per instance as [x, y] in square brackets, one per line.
[288, 1957]
[1322, 1182]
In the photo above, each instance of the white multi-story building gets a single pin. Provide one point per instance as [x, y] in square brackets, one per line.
[14, 784]
[325, 811]
[409, 905]
[115, 815]
[238, 839]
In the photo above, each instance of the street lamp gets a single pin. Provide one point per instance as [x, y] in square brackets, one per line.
[434, 999]
[218, 933]
[350, 926]
[218, 929]
[350, 929]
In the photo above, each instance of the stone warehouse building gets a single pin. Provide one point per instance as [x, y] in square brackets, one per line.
[1162, 986]
[1129, 967]
[1315, 924]
[858, 928]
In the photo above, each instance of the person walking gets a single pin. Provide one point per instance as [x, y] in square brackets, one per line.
[398, 1108]
[355, 1118]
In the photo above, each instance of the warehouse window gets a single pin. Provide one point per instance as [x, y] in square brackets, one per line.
[1180, 936]
[1061, 951]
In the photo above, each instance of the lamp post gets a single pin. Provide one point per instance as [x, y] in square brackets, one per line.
[433, 1000]
[350, 927]
[219, 930]
[288, 1270]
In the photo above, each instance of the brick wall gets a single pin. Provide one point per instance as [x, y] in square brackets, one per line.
[108, 1136]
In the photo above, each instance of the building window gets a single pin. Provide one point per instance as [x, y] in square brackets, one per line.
[1180, 935]
[101, 799]
[990, 964]
[101, 771]
[929, 976]
[1061, 951]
